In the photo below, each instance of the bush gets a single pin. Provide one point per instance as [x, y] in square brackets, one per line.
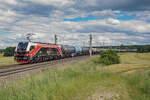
[9, 51]
[109, 57]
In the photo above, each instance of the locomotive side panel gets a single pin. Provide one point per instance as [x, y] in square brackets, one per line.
[45, 52]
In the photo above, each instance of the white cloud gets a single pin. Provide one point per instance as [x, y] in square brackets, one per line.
[57, 3]
[12, 2]
[135, 26]
[7, 12]
[38, 36]
[1, 45]
[7, 17]
[113, 21]
[91, 2]
[105, 13]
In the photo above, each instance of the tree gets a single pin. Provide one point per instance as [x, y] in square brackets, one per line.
[140, 49]
[122, 46]
[148, 48]
[109, 57]
[1, 50]
[131, 47]
[9, 51]
[143, 49]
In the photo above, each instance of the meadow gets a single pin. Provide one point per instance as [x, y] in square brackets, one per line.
[4, 61]
[86, 80]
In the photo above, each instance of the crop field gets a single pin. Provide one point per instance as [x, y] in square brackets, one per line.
[87, 80]
[4, 61]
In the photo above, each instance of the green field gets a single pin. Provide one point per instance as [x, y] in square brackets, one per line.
[4, 61]
[87, 80]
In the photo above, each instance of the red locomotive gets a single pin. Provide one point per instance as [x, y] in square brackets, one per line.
[30, 52]
[33, 52]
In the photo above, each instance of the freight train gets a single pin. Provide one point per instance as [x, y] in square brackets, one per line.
[33, 52]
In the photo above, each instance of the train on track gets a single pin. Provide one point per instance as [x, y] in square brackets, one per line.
[34, 52]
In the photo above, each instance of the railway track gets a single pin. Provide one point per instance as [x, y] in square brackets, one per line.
[22, 68]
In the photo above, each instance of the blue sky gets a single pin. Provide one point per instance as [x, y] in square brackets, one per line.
[115, 23]
[124, 16]
[3, 32]
[120, 16]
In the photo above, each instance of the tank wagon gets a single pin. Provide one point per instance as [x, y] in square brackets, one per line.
[33, 52]
[85, 50]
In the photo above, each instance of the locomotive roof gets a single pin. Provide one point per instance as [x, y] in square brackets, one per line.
[35, 42]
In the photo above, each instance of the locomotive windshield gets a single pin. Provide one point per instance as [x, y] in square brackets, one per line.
[22, 45]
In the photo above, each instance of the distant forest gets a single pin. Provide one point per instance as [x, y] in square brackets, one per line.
[140, 48]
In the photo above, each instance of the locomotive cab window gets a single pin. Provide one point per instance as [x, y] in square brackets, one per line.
[32, 47]
[22, 46]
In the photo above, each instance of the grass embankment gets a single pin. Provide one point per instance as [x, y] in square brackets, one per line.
[87, 80]
[4, 61]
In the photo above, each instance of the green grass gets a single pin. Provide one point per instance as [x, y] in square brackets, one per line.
[4, 61]
[138, 85]
[85, 80]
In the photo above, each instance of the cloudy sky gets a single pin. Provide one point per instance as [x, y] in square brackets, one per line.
[111, 22]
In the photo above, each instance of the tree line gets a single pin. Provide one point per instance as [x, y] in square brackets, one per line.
[143, 49]
[9, 51]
